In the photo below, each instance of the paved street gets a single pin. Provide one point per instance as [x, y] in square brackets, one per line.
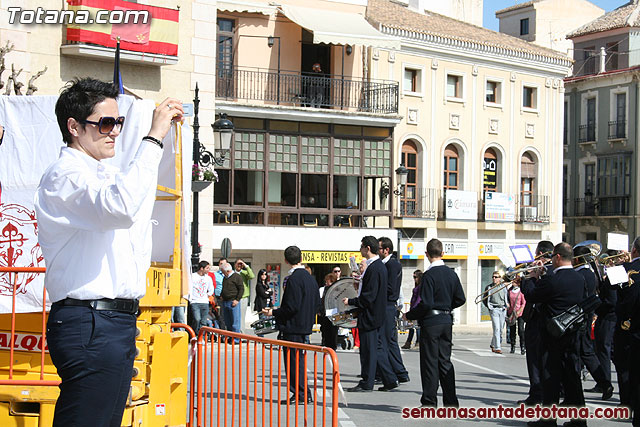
[482, 379]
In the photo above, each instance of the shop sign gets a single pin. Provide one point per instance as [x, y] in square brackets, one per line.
[329, 257]
[455, 249]
[490, 249]
[461, 204]
[499, 207]
[490, 167]
[412, 249]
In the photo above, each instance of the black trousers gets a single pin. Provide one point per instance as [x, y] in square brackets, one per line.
[533, 343]
[603, 334]
[589, 358]
[561, 365]
[329, 332]
[634, 383]
[93, 352]
[436, 366]
[296, 368]
[390, 335]
[369, 360]
[622, 359]
[512, 330]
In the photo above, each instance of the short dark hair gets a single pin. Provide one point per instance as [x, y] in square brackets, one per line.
[202, 264]
[293, 255]
[544, 246]
[223, 259]
[564, 250]
[434, 248]
[386, 243]
[636, 243]
[78, 100]
[371, 242]
[581, 250]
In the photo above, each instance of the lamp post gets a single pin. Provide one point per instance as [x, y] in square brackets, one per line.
[401, 173]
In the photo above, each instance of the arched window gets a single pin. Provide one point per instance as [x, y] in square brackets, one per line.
[408, 201]
[490, 171]
[451, 168]
[528, 172]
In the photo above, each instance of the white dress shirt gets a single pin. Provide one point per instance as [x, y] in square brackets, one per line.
[94, 224]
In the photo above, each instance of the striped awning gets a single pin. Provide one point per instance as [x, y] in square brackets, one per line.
[247, 7]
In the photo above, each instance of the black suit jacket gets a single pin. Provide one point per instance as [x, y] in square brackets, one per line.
[394, 280]
[300, 303]
[628, 307]
[590, 279]
[556, 292]
[373, 297]
[440, 289]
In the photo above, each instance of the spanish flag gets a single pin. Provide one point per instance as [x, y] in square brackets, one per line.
[159, 35]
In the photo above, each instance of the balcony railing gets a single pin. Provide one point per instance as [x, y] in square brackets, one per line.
[618, 129]
[423, 204]
[536, 209]
[297, 89]
[602, 206]
[587, 133]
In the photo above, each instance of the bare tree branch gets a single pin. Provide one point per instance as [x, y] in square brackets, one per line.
[31, 87]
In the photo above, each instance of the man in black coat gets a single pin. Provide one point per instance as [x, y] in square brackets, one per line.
[581, 257]
[294, 319]
[532, 333]
[440, 293]
[560, 356]
[388, 342]
[372, 301]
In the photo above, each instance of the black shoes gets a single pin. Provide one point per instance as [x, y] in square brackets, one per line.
[523, 350]
[607, 393]
[513, 349]
[406, 346]
[358, 388]
[595, 389]
[403, 380]
[388, 387]
[292, 401]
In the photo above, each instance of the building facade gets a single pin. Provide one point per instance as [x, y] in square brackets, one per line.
[547, 22]
[601, 134]
[314, 157]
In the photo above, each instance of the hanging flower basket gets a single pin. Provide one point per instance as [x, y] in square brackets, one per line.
[198, 186]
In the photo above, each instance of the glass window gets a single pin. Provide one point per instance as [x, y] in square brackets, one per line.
[589, 66]
[524, 26]
[612, 56]
[451, 168]
[282, 189]
[346, 192]
[529, 95]
[528, 172]
[492, 92]
[454, 86]
[376, 193]
[411, 80]
[313, 191]
[221, 188]
[248, 187]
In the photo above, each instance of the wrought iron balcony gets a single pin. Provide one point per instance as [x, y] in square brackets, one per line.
[617, 129]
[587, 133]
[308, 90]
[418, 203]
[602, 206]
[535, 209]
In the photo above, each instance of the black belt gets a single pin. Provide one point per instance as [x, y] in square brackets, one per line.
[129, 306]
[436, 312]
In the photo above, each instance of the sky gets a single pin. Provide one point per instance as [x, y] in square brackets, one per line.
[490, 7]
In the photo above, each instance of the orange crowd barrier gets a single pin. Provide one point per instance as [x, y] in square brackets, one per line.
[244, 383]
[7, 319]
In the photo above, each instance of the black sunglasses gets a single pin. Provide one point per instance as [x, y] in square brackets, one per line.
[336, 271]
[496, 277]
[107, 124]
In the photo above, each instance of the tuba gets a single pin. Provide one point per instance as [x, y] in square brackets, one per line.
[336, 311]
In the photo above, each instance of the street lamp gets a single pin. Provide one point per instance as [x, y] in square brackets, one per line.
[401, 173]
[222, 135]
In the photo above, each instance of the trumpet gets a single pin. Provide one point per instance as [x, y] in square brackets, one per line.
[491, 291]
[612, 260]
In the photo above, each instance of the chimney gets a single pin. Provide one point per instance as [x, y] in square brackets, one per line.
[603, 56]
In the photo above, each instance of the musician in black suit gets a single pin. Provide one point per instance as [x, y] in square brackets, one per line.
[604, 329]
[623, 358]
[532, 333]
[389, 338]
[581, 257]
[440, 293]
[372, 301]
[560, 356]
[294, 319]
[629, 311]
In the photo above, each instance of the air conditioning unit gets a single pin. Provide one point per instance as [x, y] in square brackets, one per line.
[529, 214]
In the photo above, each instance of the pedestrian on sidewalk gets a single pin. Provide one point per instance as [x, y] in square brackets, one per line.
[517, 303]
[415, 300]
[496, 301]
